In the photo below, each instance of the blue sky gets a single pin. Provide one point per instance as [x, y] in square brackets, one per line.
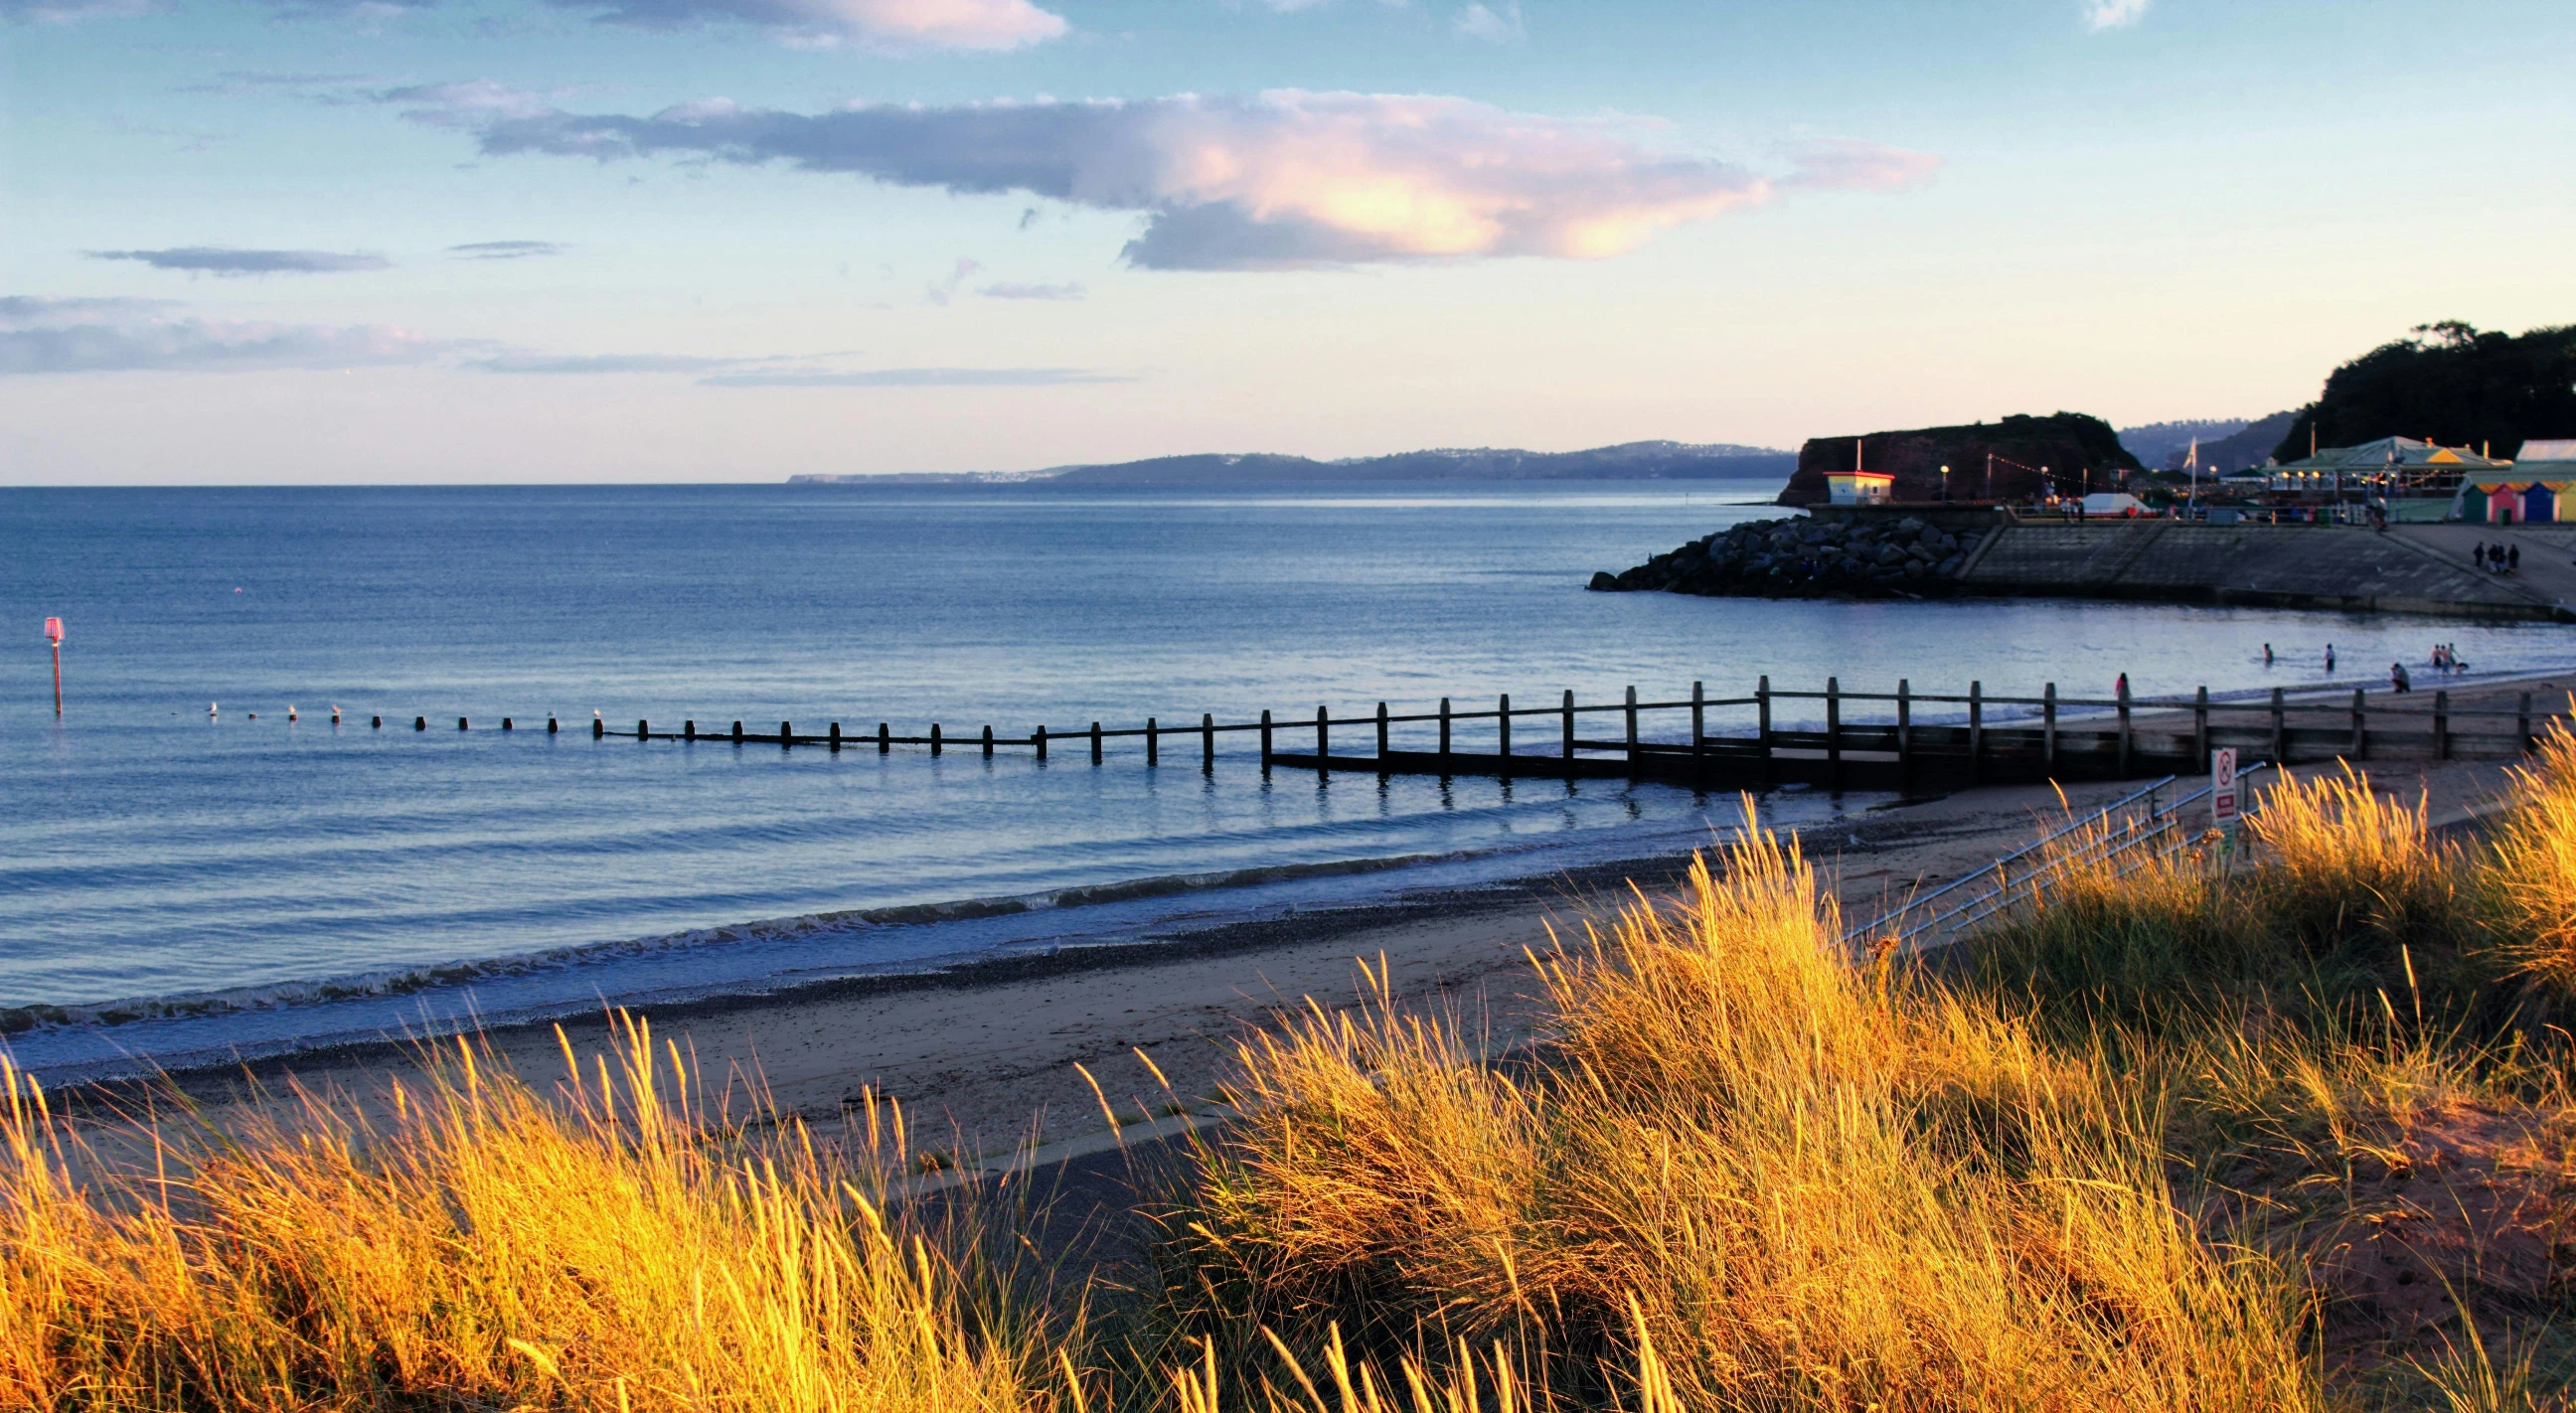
[740, 239]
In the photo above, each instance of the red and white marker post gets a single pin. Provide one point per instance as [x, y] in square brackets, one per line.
[54, 635]
[2223, 799]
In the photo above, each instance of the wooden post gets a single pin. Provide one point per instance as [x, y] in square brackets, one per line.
[2441, 725]
[1323, 735]
[1905, 735]
[836, 735]
[2125, 740]
[1569, 733]
[786, 735]
[1834, 733]
[1976, 733]
[1207, 741]
[1503, 732]
[1037, 738]
[737, 733]
[2358, 740]
[2280, 732]
[1153, 743]
[689, 730]
[598, 728]
[1699, 731]
[1095, 743]
[2522, 725]
[1762, 730]
[2200, 728]
[885, 738]
[1444, 731]
[463, 725]
[1381, 733]
[1265, 740]
[988, 740]
[2048, 730]
[1632, 730]
[934, 738]
[552, 725]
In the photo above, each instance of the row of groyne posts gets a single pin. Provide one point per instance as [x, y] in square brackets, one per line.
[1908, 739]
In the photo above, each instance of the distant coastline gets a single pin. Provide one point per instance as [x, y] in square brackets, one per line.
[1629, 461]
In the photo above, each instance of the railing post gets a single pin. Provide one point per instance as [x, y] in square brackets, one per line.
[1834, 733]
[1762, 729]
[2522, 725]
[1037, 738]
[2200, 729]
[1503, 731]
[1381, 733]
[2441, 725]
[2125, 741]
[1569, 733]
[1095, 743]
[1153, 743]
[2280, 732]
[988, 742]
[2358, 739]
[1444, 731]
[1976, 733]
[1323, 735]
[1632, 730]
[1207, 741]
[934, 738]
[2048, 730]
[1905, 735]
[1699, 731]
[1265, 741]
[885, 737]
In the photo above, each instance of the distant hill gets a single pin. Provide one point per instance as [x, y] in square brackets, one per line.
[2448, 383]
[2165, 443]
[1630, 461]
[2065, 444]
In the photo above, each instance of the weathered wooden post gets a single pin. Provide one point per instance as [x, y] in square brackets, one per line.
[737, 733]
[1977, 732]
[505, 721]
[1207, 742]
[2125, 741]
[1444, 731]
[836, 735]
[1699, 732]
[1323, 736]
[2358, 739]
[1381, 733]
[988, 741]
[1834, 733]
[1632, 731]
[1905, 735]
[1153, 743]
[2522, 725]
[598, 728]
[786, 735]
[1569, 733]
[2048, 730]
[2200, 729]
[934, 738]
[2280, 732]
[1762, 728]
[552, 725]
[1265, 741]
[689, 729]
[2441, 725]
[1037, 738]
[1503, 732]
[885, 738]
[1095, 743]
[462, 725]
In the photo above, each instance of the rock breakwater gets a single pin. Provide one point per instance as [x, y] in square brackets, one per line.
[1805, 557]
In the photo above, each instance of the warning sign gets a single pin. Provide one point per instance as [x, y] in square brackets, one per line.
[2222, 789]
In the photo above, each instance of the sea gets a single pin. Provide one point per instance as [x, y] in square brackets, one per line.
[197, 865]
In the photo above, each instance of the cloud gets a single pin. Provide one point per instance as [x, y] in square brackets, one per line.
[2113, 14]
[916, 378]
[1494, 26]
[218, 260]
[580, 364]
[1275, 180]
[945, 289]
[132, 335]
[897, 25]
[72, 11]
[1844, 164]
[1011, 290]
[504, 249]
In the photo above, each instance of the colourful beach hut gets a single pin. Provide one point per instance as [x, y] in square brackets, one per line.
[2532, 489]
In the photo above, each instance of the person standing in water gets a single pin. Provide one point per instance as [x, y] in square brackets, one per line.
[2329, 659]
[2397, 677]
[2267, 654]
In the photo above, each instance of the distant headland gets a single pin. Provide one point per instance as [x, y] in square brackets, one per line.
[1629, 461]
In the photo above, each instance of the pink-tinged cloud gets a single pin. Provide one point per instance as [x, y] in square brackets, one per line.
[125, 336]
[1277, 180]
[1842, 164]
[986, 25]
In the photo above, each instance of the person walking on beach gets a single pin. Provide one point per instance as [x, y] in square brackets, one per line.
[2397, 677]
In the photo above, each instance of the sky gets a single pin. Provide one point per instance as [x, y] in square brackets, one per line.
[362, 241]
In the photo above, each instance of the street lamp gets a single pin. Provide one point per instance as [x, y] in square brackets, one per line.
[1945, 485]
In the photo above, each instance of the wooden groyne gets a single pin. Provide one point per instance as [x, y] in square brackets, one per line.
[1832, 738]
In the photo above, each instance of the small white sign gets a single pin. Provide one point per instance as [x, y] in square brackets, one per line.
[2222, 788]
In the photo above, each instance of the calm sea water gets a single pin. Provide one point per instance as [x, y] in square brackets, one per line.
[216, 882]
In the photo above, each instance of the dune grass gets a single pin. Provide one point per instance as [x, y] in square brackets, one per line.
[2291, 1136]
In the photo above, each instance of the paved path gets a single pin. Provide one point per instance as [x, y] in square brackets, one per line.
[2547, 572]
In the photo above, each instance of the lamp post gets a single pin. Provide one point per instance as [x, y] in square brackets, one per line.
[54, 635]
[1945, 485]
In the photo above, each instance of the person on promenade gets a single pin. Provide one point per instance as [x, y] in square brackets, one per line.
[2513, 559]
[2397, 677]
[2121, 689]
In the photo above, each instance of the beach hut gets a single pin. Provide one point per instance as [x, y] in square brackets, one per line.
[1859, 487]
[2529, 490]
